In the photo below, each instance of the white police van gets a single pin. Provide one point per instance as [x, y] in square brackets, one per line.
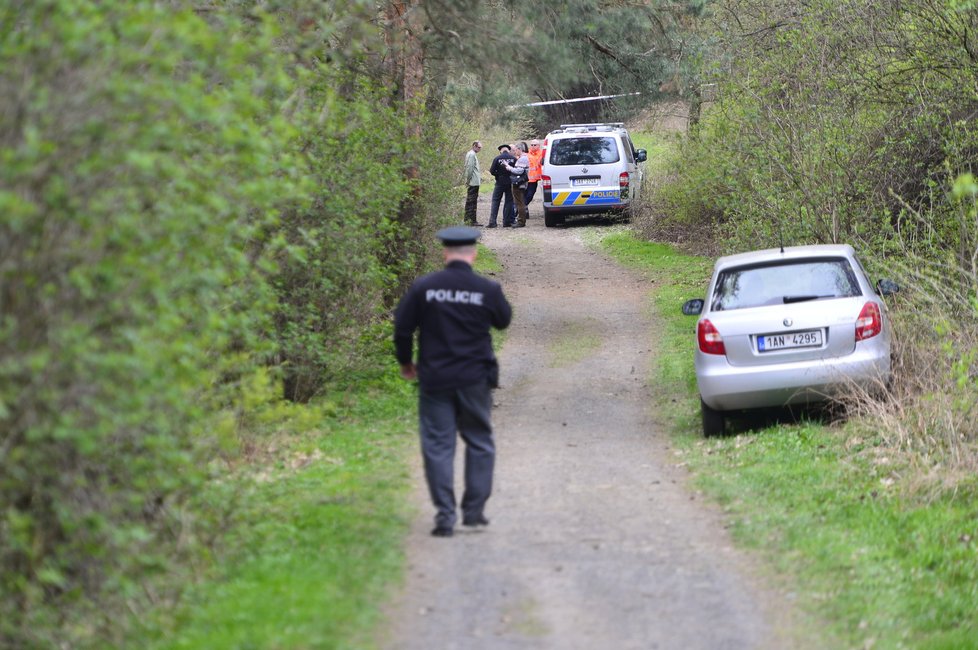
[587, 169]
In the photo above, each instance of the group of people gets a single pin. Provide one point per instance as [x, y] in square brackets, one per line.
[517, 170]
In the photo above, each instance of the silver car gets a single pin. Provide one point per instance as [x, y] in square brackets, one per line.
[788, 326]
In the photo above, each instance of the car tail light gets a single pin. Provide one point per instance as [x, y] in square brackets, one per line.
[709, 338]
[870, 322]
[545, 182]
[623, 180]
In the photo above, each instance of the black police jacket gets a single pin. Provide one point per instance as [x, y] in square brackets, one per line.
[500, 172]
[454, 309]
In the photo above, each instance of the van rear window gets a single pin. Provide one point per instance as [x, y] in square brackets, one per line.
[584, 151]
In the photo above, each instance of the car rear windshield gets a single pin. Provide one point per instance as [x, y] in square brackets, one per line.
[784, 283]
[584, 151]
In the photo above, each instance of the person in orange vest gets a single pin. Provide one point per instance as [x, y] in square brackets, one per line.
[535, 172]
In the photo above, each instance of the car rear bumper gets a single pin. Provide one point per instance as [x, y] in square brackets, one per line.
[727, 388]
[581, 201]
[586, 209]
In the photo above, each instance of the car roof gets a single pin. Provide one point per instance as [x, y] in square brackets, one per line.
[788, 253]
[597, 128]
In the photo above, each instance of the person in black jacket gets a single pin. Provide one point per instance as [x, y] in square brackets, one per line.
[503, 189]
[454, 310]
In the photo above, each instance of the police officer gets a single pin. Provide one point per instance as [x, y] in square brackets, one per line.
[456, 370]
[503, 189]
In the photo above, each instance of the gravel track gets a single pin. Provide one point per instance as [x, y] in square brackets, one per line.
[596, 541]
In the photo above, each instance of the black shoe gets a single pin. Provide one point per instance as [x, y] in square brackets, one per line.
[491, 225]
[477, 520]
[473, 224]
[519, 225]
[442, 531]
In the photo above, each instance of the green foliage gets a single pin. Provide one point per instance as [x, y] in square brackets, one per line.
[818, 148]
[538, 50]
[337, 245]
[193, 206]
[935, 357]
[138, 160]
[317, 534]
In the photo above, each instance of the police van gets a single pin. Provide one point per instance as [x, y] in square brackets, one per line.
[587, 169]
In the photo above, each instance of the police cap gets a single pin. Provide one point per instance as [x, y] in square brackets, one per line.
[458, 236]
[503, 146]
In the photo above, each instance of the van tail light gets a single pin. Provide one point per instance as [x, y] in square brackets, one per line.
[870, 322]
[545, 182]
[623, 180]
[709, 338]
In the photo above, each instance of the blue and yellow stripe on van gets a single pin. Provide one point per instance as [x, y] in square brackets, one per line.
[585, 197]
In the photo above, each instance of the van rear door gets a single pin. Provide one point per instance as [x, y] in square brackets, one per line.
[584, 170]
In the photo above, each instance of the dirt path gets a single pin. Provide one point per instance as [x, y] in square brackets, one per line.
[595, 541]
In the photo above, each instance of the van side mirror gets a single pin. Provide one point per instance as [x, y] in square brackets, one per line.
[693, 307]
[887, 287]
[641, 155]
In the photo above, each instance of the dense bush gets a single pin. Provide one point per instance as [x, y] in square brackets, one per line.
[190, 201]
[930, 416]
[139, 156]
[334, 274]
[826, 113]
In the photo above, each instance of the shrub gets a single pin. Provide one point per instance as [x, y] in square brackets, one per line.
[334, 273]
[930, 414]
[139, 159]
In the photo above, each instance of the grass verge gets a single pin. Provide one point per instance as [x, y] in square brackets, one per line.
[879, 565]
[316, 534]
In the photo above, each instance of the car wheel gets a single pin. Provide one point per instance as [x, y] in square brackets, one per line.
[550, 219]
[713, 420]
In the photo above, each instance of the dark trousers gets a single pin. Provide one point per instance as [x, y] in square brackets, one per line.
[442, 414]
[471, 202]
[501, 191]
[531, 191]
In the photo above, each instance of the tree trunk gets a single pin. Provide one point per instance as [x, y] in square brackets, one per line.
[405, 26]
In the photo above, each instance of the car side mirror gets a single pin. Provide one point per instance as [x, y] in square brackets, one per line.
[693, 307]
[641, 155]
[887, 287]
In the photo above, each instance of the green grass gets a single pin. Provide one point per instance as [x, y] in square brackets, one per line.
[486, 262]
[316, 538]
[873, 564]
[657, 147]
